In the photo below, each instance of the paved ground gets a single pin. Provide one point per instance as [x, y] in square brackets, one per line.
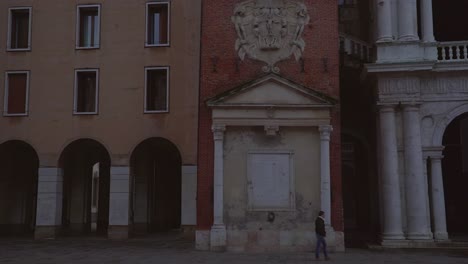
[136, 251]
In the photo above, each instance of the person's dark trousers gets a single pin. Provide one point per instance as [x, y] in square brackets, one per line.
[321, 243]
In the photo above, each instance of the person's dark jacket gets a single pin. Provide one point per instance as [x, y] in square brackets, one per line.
[320, 226]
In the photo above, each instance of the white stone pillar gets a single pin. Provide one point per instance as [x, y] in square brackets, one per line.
[390, 181]
[407, 20]
[218, 230]
[384, 20]
[325, 194]
[427, 21]
[119, 203]
[49, 203]
[418, 226]
[438, 198]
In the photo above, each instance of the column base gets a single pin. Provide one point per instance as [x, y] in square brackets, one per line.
[218, 238]
[441, 236]
[393, 236]
[419, 236]
[118, 232]
[46, 232]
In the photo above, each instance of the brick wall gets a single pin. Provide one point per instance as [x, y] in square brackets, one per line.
[222, 70]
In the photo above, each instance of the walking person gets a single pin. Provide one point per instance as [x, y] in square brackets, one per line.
[321, 234]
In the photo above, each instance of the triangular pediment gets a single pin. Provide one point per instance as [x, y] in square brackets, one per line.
[271, 90]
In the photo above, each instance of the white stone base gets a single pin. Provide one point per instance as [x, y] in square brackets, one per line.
[202, 240]
[218, 238]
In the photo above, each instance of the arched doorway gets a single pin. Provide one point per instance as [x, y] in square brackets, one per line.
[156, 175]
[455, 171]
[86, 176]
[19, 166]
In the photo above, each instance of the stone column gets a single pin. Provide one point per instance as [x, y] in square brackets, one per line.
[119, 203]
[218, 230]
[438, 198]
[325, 194]
[49, 203]
[416, 193]
[384, 20]
[390, 181]
[407, 20]
[427, 21]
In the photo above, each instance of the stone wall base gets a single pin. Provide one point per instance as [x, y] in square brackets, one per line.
[46, 232]
[118, 232]
[271, 241]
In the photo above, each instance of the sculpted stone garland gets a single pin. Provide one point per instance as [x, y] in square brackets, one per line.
[270, 30]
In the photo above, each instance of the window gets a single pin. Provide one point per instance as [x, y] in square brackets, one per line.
[16, 93]
[157, 24]
[86, 91]
[270, 180]
[157, 90]
[19, 29]
[88, 25]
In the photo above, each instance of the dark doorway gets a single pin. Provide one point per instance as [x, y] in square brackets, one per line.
[455, 171]
[86, 168]
[156, 175]
[358, 197]
[19, 166]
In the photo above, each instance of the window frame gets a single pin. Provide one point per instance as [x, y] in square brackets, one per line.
[75, 92]
[168, 84]
[6, 94]
[10, 17]
[78, 23]
[168, 3]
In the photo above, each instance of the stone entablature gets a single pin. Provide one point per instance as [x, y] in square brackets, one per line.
[422, 88]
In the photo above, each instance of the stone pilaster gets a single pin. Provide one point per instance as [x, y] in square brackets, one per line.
[218, 230]
[325, 194]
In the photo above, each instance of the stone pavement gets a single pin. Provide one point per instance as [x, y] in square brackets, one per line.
[167, 251]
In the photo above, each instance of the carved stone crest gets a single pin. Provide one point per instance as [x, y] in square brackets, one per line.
[270, 30]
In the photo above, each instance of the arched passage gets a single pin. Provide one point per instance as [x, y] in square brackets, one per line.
[455, 173]
[156, 174]
[86, 175]
[19, 166]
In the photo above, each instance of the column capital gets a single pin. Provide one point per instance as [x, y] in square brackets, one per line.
[325, 132]
[433, 152]
[411, 107]
[387, 108]
[218, 131]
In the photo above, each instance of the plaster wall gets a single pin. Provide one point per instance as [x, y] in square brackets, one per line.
[121, 59]
[249, 230]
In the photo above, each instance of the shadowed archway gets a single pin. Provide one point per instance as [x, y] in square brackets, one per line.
[156, 175]
[19, 166]
[86, 178]
[455, 173]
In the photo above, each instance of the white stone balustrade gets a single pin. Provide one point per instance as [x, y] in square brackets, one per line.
[454, 51]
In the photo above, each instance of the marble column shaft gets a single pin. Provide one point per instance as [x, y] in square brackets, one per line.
[418, 226]
[390, 181]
